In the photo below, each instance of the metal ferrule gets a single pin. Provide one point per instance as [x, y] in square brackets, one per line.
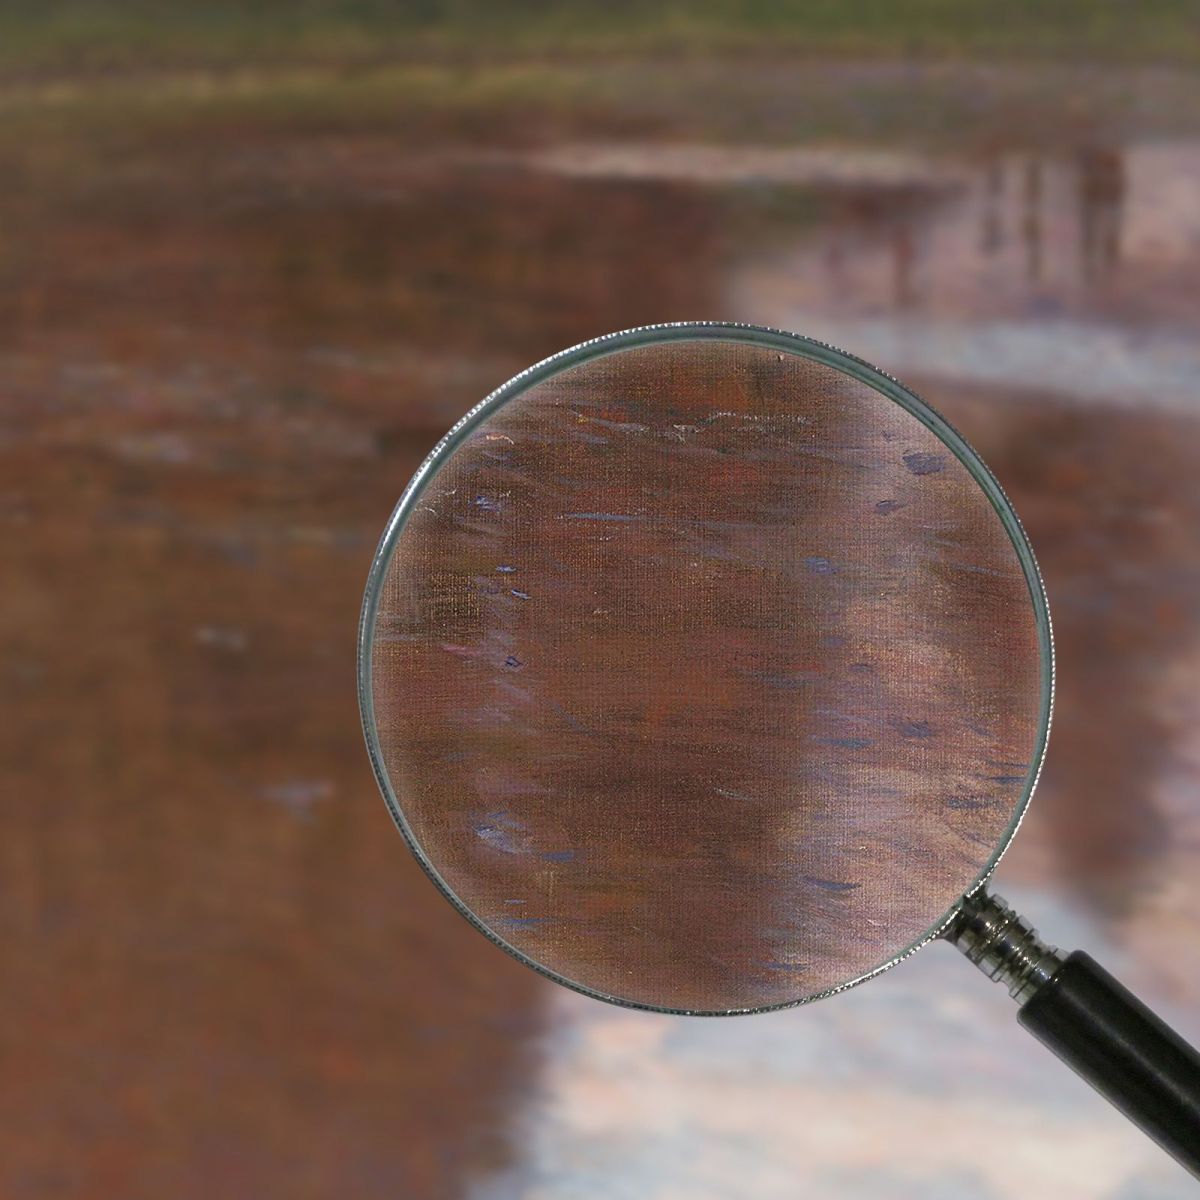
[1003, 945]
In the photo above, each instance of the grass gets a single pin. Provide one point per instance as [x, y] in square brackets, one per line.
[105, 35]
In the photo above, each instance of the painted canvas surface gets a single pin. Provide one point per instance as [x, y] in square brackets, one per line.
[254, 262]
[706, 675]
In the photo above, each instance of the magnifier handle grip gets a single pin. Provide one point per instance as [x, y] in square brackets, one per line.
[1110, 1038]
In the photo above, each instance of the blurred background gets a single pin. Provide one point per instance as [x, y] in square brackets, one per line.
[254, 259]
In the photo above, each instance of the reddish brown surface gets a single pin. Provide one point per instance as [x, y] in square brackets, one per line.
[706, 675]
[223, 972]
[223, 351]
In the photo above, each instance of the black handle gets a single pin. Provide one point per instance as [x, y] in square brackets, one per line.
[1107, 1035]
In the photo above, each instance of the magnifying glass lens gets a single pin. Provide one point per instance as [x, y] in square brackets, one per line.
[706, 668]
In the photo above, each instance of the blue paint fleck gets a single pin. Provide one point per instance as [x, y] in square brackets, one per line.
[968, 803]
[1007, 778]
[497, 838]
[559, 855]
[884, 507]
[861, 668]
[730, 794]
[520, 595]
[513, 663]
[624, 426]
[973, 569]
[502, 832]
[831, 885]
[819, 565]
[601, 516]
[486, 503]
[924, 464]
[915, 729]
[523, 922]
[506, 570]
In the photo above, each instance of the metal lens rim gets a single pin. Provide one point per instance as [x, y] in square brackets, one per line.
[683, 331]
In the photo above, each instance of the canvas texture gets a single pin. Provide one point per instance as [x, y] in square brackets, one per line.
[706, 676]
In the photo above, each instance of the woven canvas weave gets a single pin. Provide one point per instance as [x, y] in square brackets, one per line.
[706, 676]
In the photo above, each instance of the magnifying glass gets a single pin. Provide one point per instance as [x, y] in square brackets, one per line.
[707, 670]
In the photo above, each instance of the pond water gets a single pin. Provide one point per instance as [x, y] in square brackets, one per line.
[220, 359]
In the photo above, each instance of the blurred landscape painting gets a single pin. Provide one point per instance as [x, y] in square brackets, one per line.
[254, 260]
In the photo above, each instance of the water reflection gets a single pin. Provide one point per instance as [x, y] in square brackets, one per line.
[970, 272]
[1101, 194]
[1030, 273]
[217, 946]
[1022, 232]
[991, 236]
[219, 365]
[1031, 220]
